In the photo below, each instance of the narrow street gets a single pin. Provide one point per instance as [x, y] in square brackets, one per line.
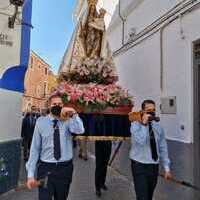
[83, 185]
[120, 186]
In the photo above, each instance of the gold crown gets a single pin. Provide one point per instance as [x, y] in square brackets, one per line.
[92, 2]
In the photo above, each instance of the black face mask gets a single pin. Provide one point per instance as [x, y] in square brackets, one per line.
[153, 114]
[56, 110]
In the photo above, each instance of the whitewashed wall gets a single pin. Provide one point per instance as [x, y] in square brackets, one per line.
[141, 13]
[10, 101]
[139, 67]
[10, 56]
[10, 115]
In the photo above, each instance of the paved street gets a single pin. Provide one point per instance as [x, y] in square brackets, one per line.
[83, 185]
[120, 186]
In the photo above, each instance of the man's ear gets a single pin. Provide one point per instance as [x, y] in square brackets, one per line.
[49, 104]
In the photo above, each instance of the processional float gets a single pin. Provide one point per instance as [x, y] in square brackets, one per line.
[88, 81]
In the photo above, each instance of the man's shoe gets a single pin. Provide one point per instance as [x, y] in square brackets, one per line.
[104, 187]
[98, 193]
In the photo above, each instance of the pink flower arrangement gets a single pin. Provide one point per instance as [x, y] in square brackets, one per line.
[92, 70]
[94, 96]
[91, 85]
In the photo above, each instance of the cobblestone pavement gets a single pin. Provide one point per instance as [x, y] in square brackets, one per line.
[82, 187]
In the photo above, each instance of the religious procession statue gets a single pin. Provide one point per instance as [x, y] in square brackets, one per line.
[89, 40]
[92, 33]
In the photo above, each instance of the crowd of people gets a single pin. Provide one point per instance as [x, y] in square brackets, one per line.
[48, 150]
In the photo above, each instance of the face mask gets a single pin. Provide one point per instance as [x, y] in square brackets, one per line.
[152, 113]
[56, 110]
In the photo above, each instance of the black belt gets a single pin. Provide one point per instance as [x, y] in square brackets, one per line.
[56, 164]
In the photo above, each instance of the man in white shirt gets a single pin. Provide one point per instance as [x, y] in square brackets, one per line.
[52, 148]
[148, 149]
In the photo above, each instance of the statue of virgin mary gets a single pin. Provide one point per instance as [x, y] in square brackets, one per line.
[89, 39]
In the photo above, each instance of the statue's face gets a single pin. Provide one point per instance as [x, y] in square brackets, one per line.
[102, 12]
[92, 9]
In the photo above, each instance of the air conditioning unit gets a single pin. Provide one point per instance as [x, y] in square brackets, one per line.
[17, 2]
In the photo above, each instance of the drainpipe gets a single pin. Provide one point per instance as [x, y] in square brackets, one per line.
[123, 23]
[161, 58]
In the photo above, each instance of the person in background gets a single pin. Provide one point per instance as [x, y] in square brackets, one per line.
[148, 149]
[83, 149]
[28, 125]
[102, 152]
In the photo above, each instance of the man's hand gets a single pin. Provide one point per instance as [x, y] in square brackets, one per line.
[67, 112]
[145, 118]
[31, 183]
[168, 175]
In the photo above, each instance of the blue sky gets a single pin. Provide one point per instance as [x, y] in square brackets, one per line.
[53, 27]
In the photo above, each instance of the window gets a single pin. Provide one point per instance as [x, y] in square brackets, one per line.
[45, 71]
[45, 88]
[38, 91]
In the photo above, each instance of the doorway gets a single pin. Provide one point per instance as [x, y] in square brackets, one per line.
[196, 53]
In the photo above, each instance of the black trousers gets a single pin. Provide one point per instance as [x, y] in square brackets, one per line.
[59, 180]
[102, 153]
[27, 146]
[145, 177]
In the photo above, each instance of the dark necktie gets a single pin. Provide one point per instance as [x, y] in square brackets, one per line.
[154, 152]
[56, 140]
[31, 120]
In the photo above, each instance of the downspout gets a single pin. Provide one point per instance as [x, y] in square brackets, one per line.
[123, 23]
[161, 57]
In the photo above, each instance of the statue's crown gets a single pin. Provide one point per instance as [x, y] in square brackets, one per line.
[92, 2]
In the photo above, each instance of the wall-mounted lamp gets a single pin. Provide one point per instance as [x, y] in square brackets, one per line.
[11, 20]
[131, 34]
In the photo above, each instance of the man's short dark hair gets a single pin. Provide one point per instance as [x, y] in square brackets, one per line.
[147, 101]
[33, 107]
[56, 95]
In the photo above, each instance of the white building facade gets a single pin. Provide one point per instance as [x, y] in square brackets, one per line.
[153, 45]
[156, 46]
[14, 51]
